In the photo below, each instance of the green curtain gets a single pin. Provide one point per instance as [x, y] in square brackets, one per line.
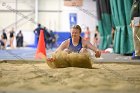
[104, 23]
[120, 11]
[115, 13]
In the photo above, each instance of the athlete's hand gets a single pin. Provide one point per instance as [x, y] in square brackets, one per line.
[97, 53]
[50, 59]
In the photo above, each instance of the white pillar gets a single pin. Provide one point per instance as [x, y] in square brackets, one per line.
[16, 17]
[36, 11]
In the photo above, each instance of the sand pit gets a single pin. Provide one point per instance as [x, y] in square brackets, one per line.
[38, 78]
[63, 59]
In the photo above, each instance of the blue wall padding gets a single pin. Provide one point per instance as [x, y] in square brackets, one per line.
[61, 37]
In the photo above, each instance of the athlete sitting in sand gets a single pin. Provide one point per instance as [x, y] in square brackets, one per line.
[76, 44]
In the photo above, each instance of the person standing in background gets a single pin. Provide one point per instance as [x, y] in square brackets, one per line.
[52, 38]
[1, 42]
[87, 34]
[4, 38]
[12, 38]
[96, 39]
[19, 39]
[37, 32]
[112, 35]
[47, 37]
[135, 24]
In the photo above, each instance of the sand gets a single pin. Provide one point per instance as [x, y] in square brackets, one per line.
[39, 78]
[63, 59]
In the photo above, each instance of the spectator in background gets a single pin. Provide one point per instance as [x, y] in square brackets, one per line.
[12, 38]
[135, 24]
[46, 37]
[52, 39]
[37, 32]
[87, 34]
[4, 38]
[112, 35]
[96, 39]
[19, 39]
[1, 43]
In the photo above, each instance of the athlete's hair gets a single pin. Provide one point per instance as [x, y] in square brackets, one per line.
[77, 27]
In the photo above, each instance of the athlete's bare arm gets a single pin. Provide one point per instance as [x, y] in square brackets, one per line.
[63, 46]
[88, 45]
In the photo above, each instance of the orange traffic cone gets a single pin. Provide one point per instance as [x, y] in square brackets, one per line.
[41, 49]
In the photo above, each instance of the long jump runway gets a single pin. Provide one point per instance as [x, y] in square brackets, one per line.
[29, 53]
[112, 73]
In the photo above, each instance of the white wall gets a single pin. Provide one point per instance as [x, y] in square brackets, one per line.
[61, 19]
[50, 18]
[53, 14]
[83, 18]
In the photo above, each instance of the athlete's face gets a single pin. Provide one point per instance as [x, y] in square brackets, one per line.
[75, 33]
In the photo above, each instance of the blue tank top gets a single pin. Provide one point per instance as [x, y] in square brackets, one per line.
[77, 48]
